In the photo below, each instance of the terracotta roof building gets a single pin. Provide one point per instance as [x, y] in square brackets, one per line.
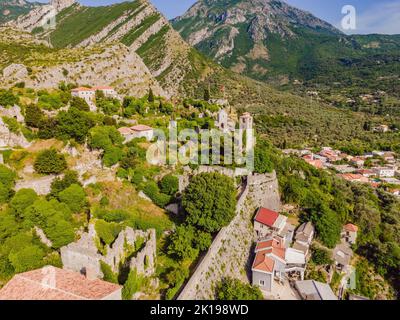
[50, 283]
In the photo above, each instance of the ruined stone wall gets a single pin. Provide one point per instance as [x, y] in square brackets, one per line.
[84, 254]
[264, 191]
[229, 254]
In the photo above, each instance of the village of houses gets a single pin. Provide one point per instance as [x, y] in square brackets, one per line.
[375, 168]
[282, 249]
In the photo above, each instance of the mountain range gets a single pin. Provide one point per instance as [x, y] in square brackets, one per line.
[11, 9]
[269, 39]
[133, 41]
[266, 40]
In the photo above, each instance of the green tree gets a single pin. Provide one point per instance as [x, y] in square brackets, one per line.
[60, 184]
[320, 256]
[79, 104]
[210, 201]
[234, 289]
[22, 200]
[73, 124]
[28, 258]
[327, 225]
[50, 162]
[262, 160]
[74, 197]
[206, 95]
[181, 243]
[151, 96]
[33, 116]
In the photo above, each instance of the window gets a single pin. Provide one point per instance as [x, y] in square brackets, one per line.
[262, 283]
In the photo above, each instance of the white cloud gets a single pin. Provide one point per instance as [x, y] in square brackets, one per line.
[383, 18]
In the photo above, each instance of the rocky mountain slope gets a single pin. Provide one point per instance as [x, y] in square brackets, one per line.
[11, 9]
[269, 39]
[137, 26]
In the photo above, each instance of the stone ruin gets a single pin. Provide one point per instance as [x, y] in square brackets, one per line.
[84, 255]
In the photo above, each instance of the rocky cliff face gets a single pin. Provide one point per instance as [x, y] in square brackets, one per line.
[11, 9]
[40, 15]
[137, 25]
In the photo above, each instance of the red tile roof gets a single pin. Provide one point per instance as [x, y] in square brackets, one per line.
[266, 217]
[50, 283]
[125, 130]
[141, 127]
[82, 89]
[351, 227]
[263, 262]
[268, 244]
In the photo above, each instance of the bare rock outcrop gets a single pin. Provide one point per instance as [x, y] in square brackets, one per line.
[15, 72]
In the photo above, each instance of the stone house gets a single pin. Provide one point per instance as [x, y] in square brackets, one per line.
[349, 233]
[342, 255]
[303, 237]
[137, 131]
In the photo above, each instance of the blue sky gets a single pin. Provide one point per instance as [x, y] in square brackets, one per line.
[373, 16]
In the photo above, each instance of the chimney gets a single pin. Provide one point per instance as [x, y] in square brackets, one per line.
[90, 273]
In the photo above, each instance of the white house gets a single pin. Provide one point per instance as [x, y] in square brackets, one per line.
[107, 91]
[349, 233]
[87, 94]
[273, 262]
[143, 131]
[384, 172]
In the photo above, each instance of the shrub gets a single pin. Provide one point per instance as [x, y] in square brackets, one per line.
[320, 256]
[132, 285]
[169, 184]
[22, 200]
[58, 185]
[7, 98]
[5, 193]
[153, 192]
[234, 289]
[108, 274]
[33, 116]
[106, 231]
[7, 176]
[74, 197]
[50, 162]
